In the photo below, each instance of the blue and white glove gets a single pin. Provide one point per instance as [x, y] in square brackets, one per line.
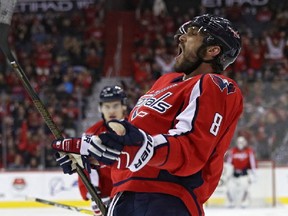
[133, 149]
[68, 162]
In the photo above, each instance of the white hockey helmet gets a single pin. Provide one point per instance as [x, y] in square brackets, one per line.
[241, 142]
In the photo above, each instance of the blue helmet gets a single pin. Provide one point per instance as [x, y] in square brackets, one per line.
[219, 31]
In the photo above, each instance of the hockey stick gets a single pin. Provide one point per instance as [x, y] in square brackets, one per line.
[60, 205]
[6, 12]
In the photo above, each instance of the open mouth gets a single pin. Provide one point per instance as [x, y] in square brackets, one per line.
[180, 51]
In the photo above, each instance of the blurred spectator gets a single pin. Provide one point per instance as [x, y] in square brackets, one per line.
[93, 61]
[159, 7]
[263, 17]
[165, 61]
[275, 54]
[94, 31]
[17, 162]
[234, 13]
[256, 60]
[275, 47]
[37, 31]
[43, 59]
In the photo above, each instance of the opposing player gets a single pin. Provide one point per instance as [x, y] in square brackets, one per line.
[242, 159]
[170, 158]
[112, 105]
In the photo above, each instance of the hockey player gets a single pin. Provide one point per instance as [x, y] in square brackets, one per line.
[168, 158]
[112, 105]
[242, 159]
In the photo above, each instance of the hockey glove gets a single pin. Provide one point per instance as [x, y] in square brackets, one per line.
[69, 145]
[132, 149]
[96, 209]
[88, 145]
[68, 162]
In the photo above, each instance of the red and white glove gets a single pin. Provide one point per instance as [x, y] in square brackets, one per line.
[68, 161]
[96, 209]
[132, 149]
[69, 145]
[88, 145]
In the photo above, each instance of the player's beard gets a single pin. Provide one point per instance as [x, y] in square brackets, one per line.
[187, 66]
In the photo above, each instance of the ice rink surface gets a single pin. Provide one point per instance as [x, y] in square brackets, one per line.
[53, 211]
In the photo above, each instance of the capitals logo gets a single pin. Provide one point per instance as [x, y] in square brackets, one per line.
[223, 83]
[19, 183]
[150, 101]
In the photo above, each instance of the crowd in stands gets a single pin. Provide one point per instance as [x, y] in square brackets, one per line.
[62, 54]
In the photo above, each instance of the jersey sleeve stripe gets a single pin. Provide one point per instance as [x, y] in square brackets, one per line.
[186, 117]
[159, 140]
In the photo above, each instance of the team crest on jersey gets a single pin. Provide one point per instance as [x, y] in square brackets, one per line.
[152, 102]
[240, 155]
[223, 83]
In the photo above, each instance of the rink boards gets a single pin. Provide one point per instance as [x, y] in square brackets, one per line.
[269, 188]
[16, 186]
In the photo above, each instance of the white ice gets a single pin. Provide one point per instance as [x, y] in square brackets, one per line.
[279, 211]
[275, 211]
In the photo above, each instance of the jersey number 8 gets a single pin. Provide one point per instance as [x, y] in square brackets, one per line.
[216, 124]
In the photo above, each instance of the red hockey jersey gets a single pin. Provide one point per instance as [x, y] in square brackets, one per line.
[104, 172]
[242, 159]
[197, 118]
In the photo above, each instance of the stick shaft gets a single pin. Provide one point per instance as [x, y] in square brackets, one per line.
[37, 102]
[4, 28]
[61, 205]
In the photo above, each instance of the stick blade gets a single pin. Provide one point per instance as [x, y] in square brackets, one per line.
[28, 198]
